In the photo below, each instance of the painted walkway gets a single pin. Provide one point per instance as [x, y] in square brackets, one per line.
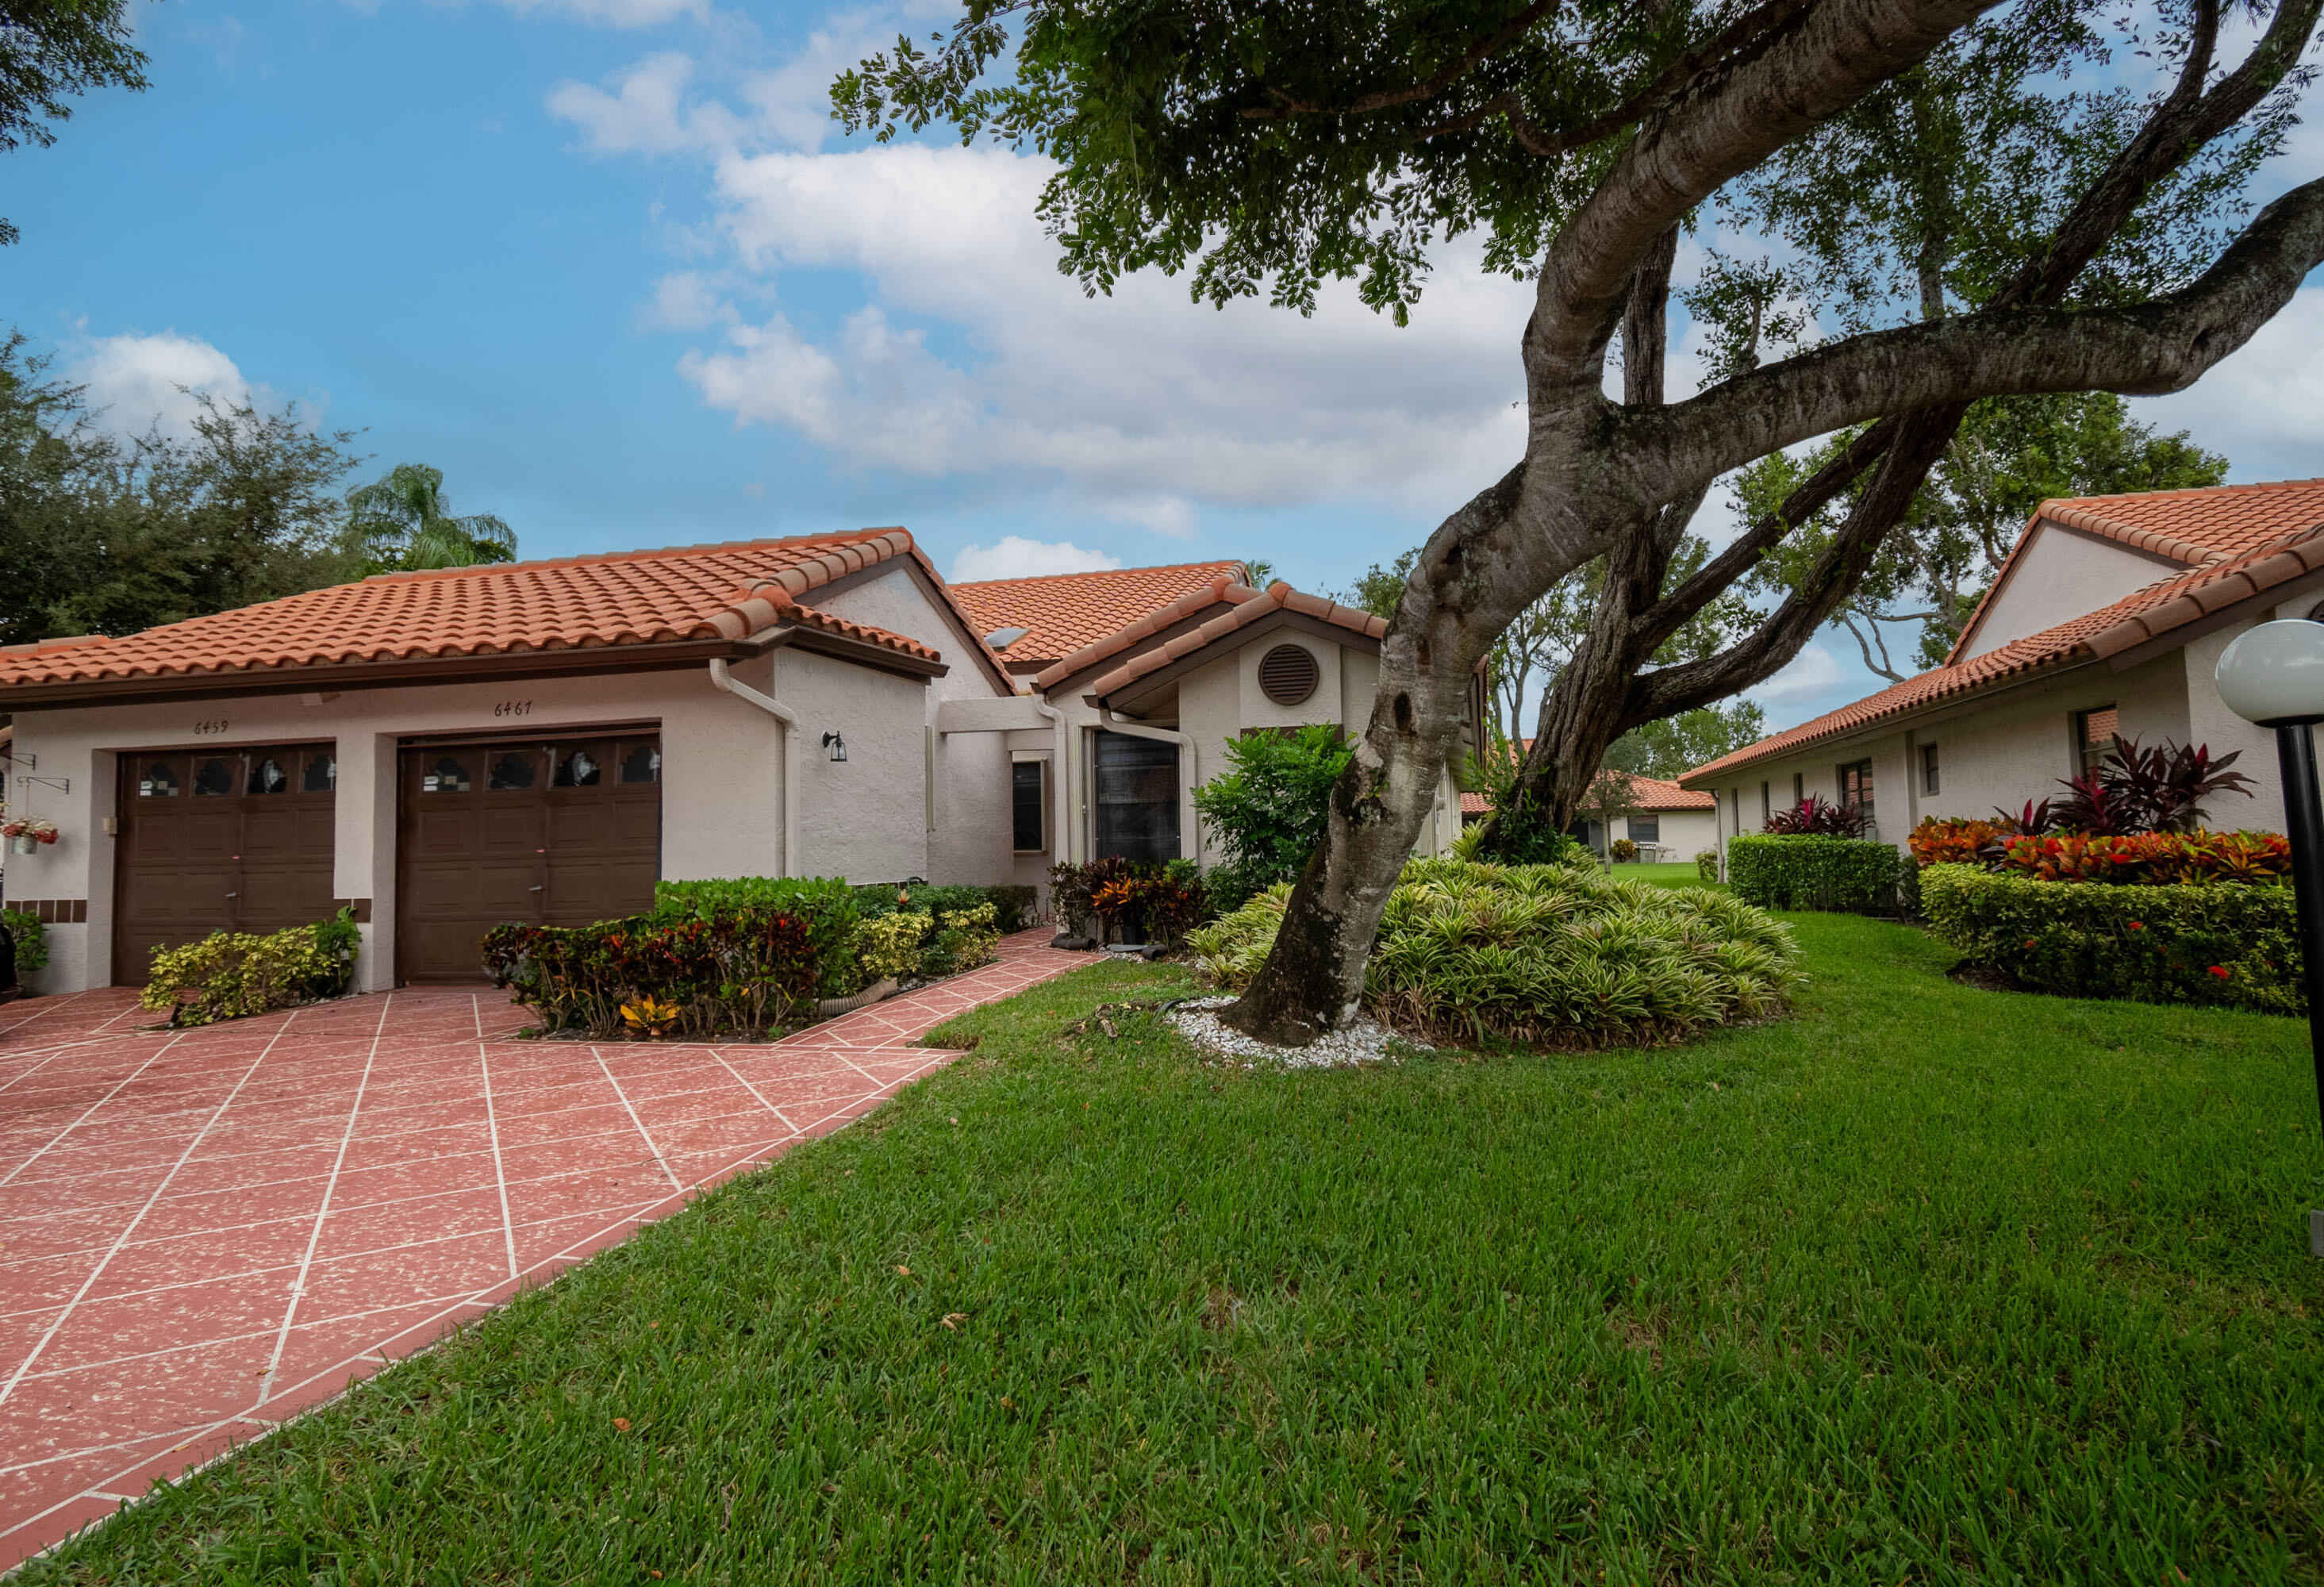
[203, 1232]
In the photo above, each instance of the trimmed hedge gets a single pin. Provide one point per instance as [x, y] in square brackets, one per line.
[1851, 874]
[1013, 906]
[2225, 943]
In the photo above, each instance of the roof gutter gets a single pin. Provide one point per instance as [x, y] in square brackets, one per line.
[1061, 753]
[719, 677]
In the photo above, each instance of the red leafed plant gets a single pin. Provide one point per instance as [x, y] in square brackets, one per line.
[1813, 818]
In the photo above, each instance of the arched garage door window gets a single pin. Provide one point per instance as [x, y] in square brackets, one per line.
[1137, 797]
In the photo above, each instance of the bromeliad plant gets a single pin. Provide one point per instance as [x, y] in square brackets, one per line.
[1558, 957]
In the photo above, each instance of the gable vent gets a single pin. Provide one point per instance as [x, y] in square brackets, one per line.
[1287, 674]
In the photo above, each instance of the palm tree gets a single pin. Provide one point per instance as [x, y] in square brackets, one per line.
[400, 525]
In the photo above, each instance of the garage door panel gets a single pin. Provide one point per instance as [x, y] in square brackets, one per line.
[237, 840]
[542, 834]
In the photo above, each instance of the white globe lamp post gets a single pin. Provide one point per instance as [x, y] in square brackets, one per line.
[2273, 675]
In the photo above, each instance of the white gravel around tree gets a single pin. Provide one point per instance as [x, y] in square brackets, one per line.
[1367, 1041]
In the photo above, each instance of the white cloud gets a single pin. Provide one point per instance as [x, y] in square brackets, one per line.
[976, 356]
[1015, 556]
[684, 299]
[1813, 671]
[647, 112]
[2263, 406]
[138, 382]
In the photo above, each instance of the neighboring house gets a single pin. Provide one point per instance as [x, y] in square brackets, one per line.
[538, 741]
[447, 750]
[1133, 699]
[1676, 821]
[2109, 617]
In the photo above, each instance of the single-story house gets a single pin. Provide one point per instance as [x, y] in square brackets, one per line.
[444, 752]
[2109, 617]
[1668, 822]
[1137, 678]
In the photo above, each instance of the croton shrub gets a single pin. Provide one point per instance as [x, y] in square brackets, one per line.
[731, 957]
[1113, 898]
[230, 974]
[2149, 858]
[2231, 943]
[733, 971]
[1807, 872]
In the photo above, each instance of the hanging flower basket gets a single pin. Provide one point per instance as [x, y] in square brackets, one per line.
[26, 834]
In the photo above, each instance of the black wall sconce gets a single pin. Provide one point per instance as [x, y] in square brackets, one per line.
[835, 746]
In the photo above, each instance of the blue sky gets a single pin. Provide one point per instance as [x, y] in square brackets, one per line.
[607, 264]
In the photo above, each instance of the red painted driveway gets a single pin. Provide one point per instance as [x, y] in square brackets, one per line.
[203, 1233]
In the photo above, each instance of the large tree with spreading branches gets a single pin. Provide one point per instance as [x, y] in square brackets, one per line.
[2043, 237]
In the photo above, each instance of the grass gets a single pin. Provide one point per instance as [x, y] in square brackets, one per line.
[1669, 874]
[1926, 1283]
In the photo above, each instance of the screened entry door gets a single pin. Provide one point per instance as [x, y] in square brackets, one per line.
[545, 834]
[1137, 797]
[220, 840]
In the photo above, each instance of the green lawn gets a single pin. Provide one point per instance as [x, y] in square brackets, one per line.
[1670, 873]
[1926, 1283]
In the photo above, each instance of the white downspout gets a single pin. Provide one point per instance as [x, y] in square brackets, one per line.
[721, 678]
[1060, 841]
[1193, 768]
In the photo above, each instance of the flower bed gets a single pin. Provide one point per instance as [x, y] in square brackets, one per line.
[2151, 858]
[231, 973]
[1550, 956]
[737, 957]
[2229, 944]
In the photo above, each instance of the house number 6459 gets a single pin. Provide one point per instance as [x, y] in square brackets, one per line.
[204, 729]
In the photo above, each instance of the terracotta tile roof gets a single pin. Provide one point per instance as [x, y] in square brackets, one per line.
[621, 598]
[1244, 606]
[2201, 527]
[1648, 793]
[1062, 613]
[2162, 607]
[1652, 793]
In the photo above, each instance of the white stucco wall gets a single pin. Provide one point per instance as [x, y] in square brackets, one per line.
[970, 840]
[2001, 751]
[1685, 833]
[2059, 574]
[722, 781]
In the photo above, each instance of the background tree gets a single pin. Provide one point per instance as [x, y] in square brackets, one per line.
[2010, 454]
[1976, 223]
[51, 52]
[402, 523]
[1670, 746]
[102, 535]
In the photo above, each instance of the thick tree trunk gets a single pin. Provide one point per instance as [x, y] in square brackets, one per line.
[1597, 473]
[1458, 603]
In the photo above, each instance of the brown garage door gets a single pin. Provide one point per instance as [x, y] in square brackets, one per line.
[554, 833]
[221, 840]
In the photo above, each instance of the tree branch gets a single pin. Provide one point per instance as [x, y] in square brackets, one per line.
[1428, 88]
[2148, 348]
[1823, 60]
[1921, 440]
[1551, 142]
